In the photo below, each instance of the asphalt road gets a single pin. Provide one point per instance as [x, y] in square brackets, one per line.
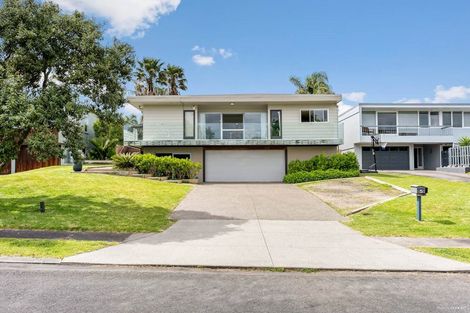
[41, 288]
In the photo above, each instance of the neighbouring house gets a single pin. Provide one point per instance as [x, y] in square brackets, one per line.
[238, 138]
[412, 136]
[88, 134]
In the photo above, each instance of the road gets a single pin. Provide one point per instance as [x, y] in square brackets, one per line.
[59, 288]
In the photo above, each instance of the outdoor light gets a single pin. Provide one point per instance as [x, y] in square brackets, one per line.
[42, 207]
[231, 103]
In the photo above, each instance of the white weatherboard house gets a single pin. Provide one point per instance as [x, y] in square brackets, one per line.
[238, 138]
[417, 136]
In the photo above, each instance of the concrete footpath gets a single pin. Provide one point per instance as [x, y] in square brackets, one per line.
[267, 243]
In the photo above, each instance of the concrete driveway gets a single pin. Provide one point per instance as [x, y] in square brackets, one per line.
[253, 201]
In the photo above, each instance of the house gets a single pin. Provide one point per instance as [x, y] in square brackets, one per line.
[87, 124]
[238, 138]
[412, 136]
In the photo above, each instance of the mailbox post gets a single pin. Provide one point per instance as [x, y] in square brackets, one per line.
[419, 191]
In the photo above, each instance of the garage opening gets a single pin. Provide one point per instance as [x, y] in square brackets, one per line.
[390, 158]
[244, 165]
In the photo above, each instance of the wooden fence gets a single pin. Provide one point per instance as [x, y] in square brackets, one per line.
[26, 162]
[459, 157]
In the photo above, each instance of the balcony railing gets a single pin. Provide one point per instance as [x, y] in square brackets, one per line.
[407, 130]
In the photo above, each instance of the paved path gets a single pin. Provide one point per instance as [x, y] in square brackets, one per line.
[75, 235]
[253, 201]
[267, 243]
[71, 289]
[428, 242]
[436, 174]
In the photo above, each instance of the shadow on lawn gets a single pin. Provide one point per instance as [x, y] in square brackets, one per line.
[69, 212]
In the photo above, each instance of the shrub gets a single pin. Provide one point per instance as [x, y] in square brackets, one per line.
[301, 177]
[145, 163]
[343, 162]
[124, 161]
[464, 141]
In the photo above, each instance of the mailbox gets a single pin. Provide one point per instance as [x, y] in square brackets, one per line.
[419, 190]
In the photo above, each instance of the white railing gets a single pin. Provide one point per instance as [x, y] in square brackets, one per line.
[459, 157]
[407, 130]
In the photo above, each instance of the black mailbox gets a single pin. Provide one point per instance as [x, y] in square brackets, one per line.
[419, 190]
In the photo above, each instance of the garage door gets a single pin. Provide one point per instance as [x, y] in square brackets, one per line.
[390, 158]
[244, 165]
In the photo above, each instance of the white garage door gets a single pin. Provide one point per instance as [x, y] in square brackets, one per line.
[244, 165]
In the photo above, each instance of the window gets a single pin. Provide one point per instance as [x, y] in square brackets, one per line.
[163, 154]
[434, 119]
[368, 118]
[182, 156]
[457, 119]
[232, 125]
[276, 124]
[189, 124]
[424, 119]
[255, 125]
[211, 126]
[387, 122]
[315, 116]
[446, 118]
[466, 117]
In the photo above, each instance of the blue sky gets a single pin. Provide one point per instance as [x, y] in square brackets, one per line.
[373, 51]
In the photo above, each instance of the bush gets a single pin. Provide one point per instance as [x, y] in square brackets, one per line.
[464, 141]
[158, 166]
[342, 162]
[124, 161]
[301, 177]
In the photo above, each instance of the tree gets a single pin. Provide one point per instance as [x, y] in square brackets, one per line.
[316, 83]
[464, 141]
[150, 77]
[175, 79]
[54, 70]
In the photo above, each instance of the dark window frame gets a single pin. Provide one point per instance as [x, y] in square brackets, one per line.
[194, 124]
[279, 136]
[178, 155]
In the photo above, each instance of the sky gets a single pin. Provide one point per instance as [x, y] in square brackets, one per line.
[372, 51]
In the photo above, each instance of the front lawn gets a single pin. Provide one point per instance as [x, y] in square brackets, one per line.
[446, 210]
[39, 248]
[86, 202]
[459, 254]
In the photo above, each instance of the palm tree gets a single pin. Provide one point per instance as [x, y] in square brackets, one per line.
[175, 79]
[316, 83]
[150, 75]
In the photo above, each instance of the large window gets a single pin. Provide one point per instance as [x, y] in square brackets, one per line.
[189, 124]
[210, 127]
[387, 122]
[424, 119]
[276, 124]
[232, 126]
[434, 119]
[446, 118]
[255, 125]
[466, 117]
[457, 120]
[314, 116]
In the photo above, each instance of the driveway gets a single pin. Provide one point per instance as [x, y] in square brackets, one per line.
[253, 201]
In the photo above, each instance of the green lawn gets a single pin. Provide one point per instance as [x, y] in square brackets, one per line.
[459, 254]
[87, 202]
[446, 210]
[40, 248]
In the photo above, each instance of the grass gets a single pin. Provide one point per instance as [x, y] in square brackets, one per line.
[459, 254]
[86, 202]
[446, 210]
[40, 248]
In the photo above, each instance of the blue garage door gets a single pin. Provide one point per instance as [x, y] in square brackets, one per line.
[390, 158]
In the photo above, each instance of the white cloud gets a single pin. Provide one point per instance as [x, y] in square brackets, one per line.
[203, 60]
[343, 107]
[225, 53]
[442, 95]
[355, 96]
[125, 17]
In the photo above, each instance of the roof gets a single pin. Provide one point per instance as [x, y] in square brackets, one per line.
[415, 105]
[138, 101]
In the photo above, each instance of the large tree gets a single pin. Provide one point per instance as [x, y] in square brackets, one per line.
[315, 83]
[175, 79]
[54, 69]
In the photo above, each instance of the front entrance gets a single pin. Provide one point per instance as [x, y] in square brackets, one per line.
[419, 158]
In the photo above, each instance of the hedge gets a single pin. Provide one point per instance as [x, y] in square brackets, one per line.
[158, 166]
[342, 162]
[301, 177]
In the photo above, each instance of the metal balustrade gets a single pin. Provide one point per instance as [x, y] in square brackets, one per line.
[407, 130]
